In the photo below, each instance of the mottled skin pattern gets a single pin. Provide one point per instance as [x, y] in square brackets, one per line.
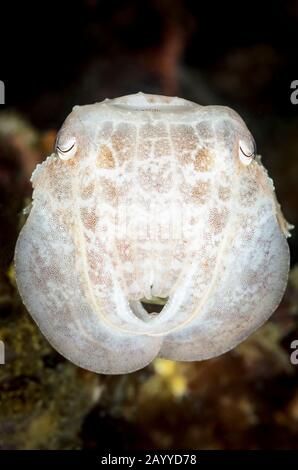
[150, 196]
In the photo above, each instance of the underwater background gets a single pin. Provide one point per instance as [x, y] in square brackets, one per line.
[58, 54]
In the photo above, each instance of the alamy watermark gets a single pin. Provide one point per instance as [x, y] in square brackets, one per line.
[294, 94]
[2, 92]
[2, 353]
[294, 354]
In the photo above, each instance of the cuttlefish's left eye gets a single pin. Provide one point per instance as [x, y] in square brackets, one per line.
[66, 147]
[247, 151]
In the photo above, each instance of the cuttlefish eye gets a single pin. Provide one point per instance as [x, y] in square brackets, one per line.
[65, 147]
[247, 151]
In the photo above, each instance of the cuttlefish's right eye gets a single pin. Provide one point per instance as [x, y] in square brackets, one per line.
[65, 147]
[247, 151]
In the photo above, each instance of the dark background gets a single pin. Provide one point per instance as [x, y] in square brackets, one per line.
[48, 48]
[55, 55]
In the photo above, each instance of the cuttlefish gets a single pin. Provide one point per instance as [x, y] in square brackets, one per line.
[151, 200]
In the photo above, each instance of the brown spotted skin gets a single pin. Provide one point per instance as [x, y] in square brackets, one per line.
[150, 196]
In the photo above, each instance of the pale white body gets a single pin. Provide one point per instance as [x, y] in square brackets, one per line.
[146, 197]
